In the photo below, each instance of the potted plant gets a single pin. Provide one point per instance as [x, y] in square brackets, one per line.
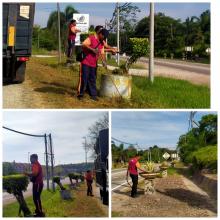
[163, 167]
[119, 82]
[16, 184]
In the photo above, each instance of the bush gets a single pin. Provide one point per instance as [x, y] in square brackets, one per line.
[15, 183]
[204, 158]
[138, 47]
[56, 179]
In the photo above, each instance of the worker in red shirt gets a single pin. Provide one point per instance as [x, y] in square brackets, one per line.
[72, 31]
[89, 181]
[36, 177]
[133, 167]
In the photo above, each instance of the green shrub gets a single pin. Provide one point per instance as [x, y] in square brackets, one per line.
[15, 183]
[204, 158]
[138, 47]
[56, 179]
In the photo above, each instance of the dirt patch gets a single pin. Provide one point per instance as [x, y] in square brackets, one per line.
[172, 199]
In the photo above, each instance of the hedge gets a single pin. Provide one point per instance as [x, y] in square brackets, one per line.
[56, 179]
[15, 183]
[205, 158]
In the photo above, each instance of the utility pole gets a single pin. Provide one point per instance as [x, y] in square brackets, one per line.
[38, 39]
[106, 54]
[59, 40]
[52, 161]
[47, 167]
[86, 151]
[118, 32]
[151, 57]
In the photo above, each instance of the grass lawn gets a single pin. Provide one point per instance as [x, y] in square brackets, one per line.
[56, 84]
[53, 206]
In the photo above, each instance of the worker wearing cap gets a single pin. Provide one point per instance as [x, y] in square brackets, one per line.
[36, 177]
[107, 47]
[133, 167]
[93, 48]
[72, 31]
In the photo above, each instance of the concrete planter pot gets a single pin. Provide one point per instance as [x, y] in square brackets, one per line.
[66, 194]
[116, 86]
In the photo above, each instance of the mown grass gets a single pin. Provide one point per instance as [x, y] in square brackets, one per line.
[53, 206]
[57, 84]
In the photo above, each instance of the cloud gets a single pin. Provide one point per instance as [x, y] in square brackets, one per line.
[67, 129]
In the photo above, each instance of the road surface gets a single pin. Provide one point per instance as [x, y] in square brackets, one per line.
[196, 73]
[119, 178]
[9, 198]
[175, 196]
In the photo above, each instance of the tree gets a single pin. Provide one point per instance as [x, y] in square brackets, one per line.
[64, 19]
[100, 124]
[128, 20]
[8, 169]
[168, 34]
[69, 11]
[203, 136]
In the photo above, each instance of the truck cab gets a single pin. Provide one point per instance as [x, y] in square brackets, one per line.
[102, 165]
[18, 21]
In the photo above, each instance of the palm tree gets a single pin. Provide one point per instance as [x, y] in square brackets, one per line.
[65, 17]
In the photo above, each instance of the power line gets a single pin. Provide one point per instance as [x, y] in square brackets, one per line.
[123, 142]
[19, 132]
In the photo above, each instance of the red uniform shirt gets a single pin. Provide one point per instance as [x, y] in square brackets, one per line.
[132, 168]
[71, 36]
[37, 172]
[92, 58]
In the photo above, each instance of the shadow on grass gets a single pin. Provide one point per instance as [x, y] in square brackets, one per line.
[191, 198]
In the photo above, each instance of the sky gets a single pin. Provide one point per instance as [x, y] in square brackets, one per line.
[67, 129]
[99, 12]
[151, 128]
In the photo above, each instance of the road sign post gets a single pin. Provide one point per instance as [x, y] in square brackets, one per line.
[166, 156]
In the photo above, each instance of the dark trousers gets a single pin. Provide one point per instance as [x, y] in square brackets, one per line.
[134, 179]
[37, 189]
[89, 188]
[71, 48]
[87, 80]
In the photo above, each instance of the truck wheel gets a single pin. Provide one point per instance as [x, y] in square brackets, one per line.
[20, 68]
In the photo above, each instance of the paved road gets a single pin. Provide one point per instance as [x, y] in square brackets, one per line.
[119, 178]
[196, 73]
[178, 64]
[9, 198]
[187, 66]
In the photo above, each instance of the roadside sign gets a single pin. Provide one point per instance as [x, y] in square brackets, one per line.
[189, 49]
[208, 50]
[166, 156]
[82, 23]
